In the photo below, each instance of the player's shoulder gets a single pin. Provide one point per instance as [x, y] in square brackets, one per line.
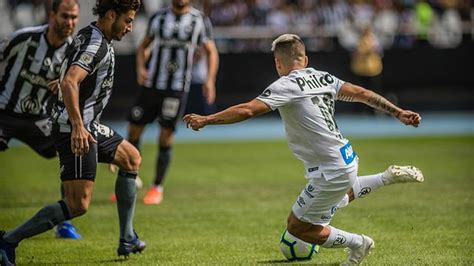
[29, 31]
[196, 12]
[161, 12]
[90, 36]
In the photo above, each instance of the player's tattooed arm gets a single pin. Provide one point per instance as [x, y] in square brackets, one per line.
[353, 93]
[378, 102]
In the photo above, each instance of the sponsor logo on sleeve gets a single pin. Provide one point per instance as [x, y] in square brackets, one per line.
[266, 93]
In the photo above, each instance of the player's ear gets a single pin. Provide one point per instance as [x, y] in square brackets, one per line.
[111, 14]
[51, 14]
[305, 61]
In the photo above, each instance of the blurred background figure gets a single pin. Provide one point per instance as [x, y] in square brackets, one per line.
[197, 102]
[366, 61]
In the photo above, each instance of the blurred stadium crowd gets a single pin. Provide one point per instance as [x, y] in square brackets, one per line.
[248, 25]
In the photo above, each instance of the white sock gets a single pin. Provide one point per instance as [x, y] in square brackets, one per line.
[159, 187]
[364, 185]
[344, 202]
[342, 239]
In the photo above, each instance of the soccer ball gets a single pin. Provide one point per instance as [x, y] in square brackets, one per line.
[295, 249]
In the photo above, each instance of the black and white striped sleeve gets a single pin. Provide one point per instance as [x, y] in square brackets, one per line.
[14, 43]
[206, 33]
[90, 54]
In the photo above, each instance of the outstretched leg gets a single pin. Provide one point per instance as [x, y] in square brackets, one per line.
[364, 185]
[76, 202]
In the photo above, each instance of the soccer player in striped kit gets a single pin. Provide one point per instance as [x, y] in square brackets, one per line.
[305, 99]
[175, 33]
[34, 56]
[86, 82]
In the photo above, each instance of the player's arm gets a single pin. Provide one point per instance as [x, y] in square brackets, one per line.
[143, 52]
[231, 115]
[209, 88]
[80, 137]
[353, 93]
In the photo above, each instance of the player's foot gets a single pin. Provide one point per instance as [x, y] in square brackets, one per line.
[401, 174]
[7, 251]
[357, 255]
[67, 230]
[153, 196]
[127, 247]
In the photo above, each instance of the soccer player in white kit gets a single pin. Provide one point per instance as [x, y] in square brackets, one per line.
[305, 98]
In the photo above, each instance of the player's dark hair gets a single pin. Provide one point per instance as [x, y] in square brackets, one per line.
[56, 3]
[119, 6]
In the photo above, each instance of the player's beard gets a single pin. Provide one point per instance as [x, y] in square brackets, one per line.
[117, 33]
[62, 31]
[180, 5]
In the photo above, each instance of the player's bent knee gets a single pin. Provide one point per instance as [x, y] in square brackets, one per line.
[78, 208]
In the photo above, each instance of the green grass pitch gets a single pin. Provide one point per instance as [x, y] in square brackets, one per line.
[227, 203]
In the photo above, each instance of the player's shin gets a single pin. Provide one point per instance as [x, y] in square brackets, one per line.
[341, 239]
[364, 185]
[44, 220]
[126, 192]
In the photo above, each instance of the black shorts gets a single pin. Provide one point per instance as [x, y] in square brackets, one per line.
[74, 167]
[165, 106]
[34, 131]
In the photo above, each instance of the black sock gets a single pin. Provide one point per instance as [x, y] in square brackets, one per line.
[44, 220]
[162, 163]
[126, 192]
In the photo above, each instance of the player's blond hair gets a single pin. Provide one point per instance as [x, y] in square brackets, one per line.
[289, 47]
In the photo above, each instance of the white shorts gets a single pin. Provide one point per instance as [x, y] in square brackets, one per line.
[318, 201]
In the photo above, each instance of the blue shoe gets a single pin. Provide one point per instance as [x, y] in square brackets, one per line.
[127, 247]
[67, 230]
[7, 252]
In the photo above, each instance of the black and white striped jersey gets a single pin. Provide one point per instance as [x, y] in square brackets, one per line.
[91, 51]
[31, 64]
[175, 39]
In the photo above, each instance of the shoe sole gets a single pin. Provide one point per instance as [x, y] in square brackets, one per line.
[126, 254]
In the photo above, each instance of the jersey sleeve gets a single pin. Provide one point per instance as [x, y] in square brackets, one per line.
[12, 44]
[150, 30]
[90, 54]
[337, 83]
[277, 95]
[206, 33]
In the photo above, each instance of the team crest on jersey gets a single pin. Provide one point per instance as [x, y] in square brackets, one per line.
[86, 58]
[30, 105]
[188, 29]
[172, 66]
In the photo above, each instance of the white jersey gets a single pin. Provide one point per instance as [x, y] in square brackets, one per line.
[305, 99]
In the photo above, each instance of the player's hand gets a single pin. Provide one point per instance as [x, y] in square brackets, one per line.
[80, 139]
[409, 118]
[209, 91]
[54, 86]
[142, 76]
[195, 121]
